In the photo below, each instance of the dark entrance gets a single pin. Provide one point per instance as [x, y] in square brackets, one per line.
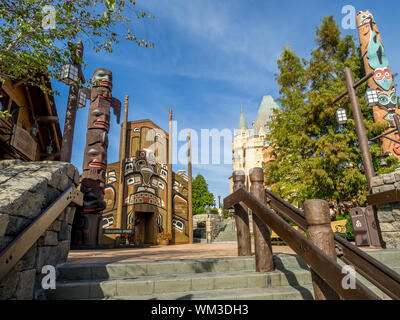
[147, 227]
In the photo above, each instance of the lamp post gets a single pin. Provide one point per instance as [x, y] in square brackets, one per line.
[70, 75]
[358, 120]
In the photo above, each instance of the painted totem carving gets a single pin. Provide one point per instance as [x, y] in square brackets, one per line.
[375, 60]
[95, 156]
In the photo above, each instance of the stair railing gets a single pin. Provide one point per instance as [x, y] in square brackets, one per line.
[11, 254]
[326, 272]
[384, 278]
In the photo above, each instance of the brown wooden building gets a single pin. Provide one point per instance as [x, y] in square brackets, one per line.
[32, 133]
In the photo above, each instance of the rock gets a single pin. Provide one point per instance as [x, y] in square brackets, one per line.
[51, 195]
[389, 178]
[21, 203]
[8, 285]
[7, 163]
[69, 214]
[28, 260]
[385, 216]
[76, 178]
[46, 256]
[397, 176]
[16, 225]
[50, 238]
[4, 219]
[65, 231]
[386, 187]
[63, 247]
[26, 284]
[392, 239]
[377, 181]
[55, 226]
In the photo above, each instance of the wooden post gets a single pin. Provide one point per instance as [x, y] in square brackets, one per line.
[72, 106]
[190, 209]
[241, 217]
[169, 177]
[320, 233]
[262, 237]
[121, 179]
[360, 127]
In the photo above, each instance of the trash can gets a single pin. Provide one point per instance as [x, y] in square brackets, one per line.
[365, 227]
[360, 228]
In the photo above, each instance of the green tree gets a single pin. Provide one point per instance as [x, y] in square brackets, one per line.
[315, 157]
[201, 197]
[29, 45]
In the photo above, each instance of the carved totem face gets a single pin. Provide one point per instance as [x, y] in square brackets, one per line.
[96, 158]
[99, 115]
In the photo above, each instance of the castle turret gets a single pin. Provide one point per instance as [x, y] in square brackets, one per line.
[264, 115]
[242, 120]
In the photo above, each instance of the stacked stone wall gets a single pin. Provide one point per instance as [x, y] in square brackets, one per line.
[26, 190]
[388, 214]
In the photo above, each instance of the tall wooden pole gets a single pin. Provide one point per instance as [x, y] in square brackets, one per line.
[72, 106]
[120, 222]
[169, 178]
[190, 211]
[360, 127]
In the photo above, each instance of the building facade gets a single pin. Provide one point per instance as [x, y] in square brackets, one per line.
[145, 188]
[31, 131]
[250, 146]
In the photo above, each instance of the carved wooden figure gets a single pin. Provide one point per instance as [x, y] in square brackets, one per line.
[95, 156]
[375, 60]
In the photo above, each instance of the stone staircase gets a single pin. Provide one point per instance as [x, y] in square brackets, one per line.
[196, 279]
[227, 232]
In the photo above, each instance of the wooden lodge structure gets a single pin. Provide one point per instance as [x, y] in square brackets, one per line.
[32, 132]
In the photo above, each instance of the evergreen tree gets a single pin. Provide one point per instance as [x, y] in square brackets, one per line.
[201, 197]
[315, 157]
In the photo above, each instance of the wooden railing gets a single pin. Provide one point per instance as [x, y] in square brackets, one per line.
[10, 255]
[319, 249]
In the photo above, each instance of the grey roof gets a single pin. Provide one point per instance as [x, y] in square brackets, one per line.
[242, 120]
[264, 114]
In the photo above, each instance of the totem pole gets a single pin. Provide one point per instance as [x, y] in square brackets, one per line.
[375, 60]
[95, 158]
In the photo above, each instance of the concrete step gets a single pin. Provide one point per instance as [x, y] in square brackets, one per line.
[280, 293]
[161, 284]
[226, 278]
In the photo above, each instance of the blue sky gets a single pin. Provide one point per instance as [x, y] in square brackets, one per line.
[209, 57]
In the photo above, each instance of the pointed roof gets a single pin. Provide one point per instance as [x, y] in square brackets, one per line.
[242, 120]
[264, 114]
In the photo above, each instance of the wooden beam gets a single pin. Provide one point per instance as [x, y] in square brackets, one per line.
[48, 106]
[47, 119]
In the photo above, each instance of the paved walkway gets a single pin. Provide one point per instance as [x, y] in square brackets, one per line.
[183, 251]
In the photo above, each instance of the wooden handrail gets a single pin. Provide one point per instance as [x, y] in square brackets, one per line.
[10, 255]
[327, 268]
[373, 270]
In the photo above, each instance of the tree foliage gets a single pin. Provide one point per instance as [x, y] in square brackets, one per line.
[28, 45]
[201, 197]
[315, 157]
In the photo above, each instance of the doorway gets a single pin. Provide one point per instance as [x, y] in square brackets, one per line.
[147, 227]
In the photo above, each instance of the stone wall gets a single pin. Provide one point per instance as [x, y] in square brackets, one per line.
[200, 224]
[388, 214]
[26, 190]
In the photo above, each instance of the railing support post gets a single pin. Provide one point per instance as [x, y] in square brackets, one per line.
[262, 237]
[241, 218]
[320, 233]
